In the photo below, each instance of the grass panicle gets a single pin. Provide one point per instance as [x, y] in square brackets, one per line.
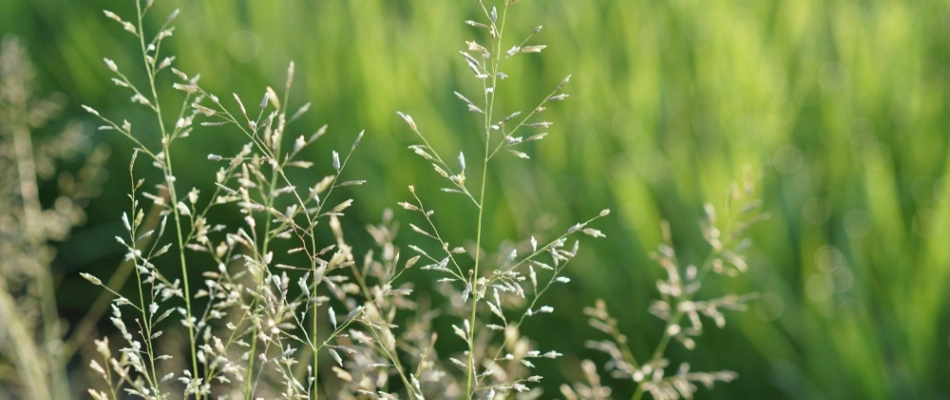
[490, 297]
[287, 307]
[31, 335]
[679, 307]
[254, 325]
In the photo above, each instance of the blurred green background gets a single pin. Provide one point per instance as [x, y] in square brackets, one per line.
[843, 104]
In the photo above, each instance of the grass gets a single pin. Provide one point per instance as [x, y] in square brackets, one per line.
[253, 321]
[260, 318]
[728, 241]
[32, 343]
[670, 103]
[251, 312]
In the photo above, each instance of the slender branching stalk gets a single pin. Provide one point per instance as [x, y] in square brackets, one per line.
[251, 321]
[254, 334]
[487, 62]
[28, 161]
[727, 243]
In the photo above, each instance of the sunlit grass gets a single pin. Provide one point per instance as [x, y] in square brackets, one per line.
[846, 99]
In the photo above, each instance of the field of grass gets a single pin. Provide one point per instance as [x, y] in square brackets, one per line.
[843, 106]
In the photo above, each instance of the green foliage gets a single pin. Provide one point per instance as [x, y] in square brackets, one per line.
[845, 99]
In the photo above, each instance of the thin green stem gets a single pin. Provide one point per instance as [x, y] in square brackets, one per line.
[704, 270]
[87, 326]
[35, 239]
[146, 321]
[474, 278]
[435, 231]
[269, 201]
[489, 109]
[316, 350]
[638, 394]
[169, 180]
[396, 364]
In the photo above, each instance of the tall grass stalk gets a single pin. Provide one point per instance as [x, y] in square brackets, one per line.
[31, 335]
[486, 62]
[247, 292]
[728, 243]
